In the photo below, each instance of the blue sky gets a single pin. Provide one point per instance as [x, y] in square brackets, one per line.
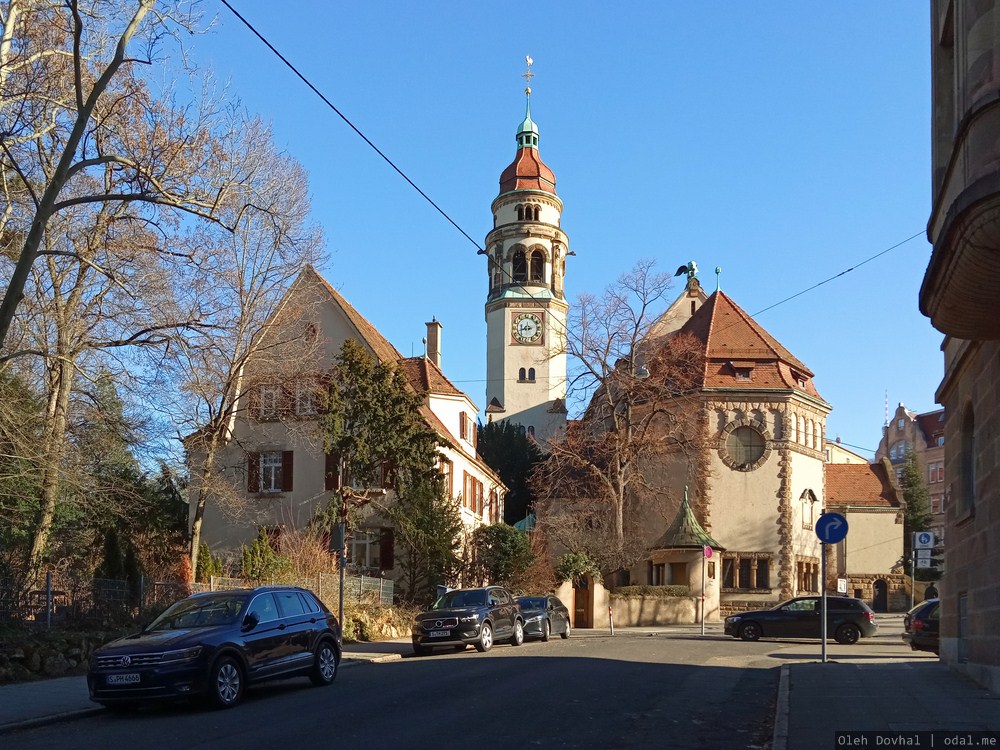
[783, 141]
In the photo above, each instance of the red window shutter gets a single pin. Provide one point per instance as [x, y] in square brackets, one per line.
[387, 549]
[331, 471]
[286, 471]
[253, 472]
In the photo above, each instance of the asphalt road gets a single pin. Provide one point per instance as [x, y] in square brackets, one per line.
[633, 690]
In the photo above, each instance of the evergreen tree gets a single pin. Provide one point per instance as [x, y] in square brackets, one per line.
[502, 554]
[506, 448]
[374, 425]
[916, 502]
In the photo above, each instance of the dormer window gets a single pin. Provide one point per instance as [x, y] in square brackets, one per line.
[742, 369]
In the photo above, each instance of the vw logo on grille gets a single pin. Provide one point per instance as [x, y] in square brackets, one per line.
[125, 661]
[438, 624]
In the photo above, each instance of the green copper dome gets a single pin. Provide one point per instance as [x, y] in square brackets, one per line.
[527, 133]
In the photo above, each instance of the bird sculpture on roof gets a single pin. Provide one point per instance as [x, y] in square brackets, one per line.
[690, 268]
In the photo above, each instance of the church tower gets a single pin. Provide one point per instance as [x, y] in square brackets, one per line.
[526, 306]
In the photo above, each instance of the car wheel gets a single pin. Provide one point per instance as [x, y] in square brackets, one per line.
[485, 642]
[545, 631]
[518, 638]
[565, 634]
[225, 687]
[325, 665]
[848, 634]
[750, 631]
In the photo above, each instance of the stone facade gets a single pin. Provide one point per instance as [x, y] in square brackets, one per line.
[959, 294]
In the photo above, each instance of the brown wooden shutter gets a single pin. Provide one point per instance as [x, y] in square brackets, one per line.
[462, 431]
[331, 471]
[253, 472]
[387, 549]
[286, 471]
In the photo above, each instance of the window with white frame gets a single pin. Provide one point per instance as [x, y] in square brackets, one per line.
[270, 471]
[305, 399]
[364, 549]
[268, 399]
[809, 501]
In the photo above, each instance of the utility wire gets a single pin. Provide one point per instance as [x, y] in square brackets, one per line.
[353, 127]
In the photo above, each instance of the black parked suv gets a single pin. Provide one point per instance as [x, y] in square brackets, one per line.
[847, 620]
[215, 644]
[469, 616]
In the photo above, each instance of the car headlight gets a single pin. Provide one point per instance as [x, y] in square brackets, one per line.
[469, 618]
[183, 655]
[735, 618]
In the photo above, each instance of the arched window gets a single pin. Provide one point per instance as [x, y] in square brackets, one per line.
[534, 212]
[531, 374]
[808, 499]
[520, 213]
[519, 269]
[537, 266]
[520, 374]
[531, 431]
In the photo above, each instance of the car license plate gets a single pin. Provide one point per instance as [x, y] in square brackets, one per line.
[439, 633]
[129, 678]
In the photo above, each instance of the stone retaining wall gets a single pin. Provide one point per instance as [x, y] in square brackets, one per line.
[652, 610]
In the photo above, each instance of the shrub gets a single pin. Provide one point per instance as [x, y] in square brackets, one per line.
[654, 592]
[574, 564]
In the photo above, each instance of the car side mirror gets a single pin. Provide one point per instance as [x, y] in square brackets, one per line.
[250, 621]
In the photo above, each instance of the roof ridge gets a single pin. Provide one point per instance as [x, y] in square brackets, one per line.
[776, 347]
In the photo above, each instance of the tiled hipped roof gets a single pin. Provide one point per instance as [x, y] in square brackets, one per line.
[425, 376]
[740, 354]
[861, 485]
[931, 425]
[528, 172]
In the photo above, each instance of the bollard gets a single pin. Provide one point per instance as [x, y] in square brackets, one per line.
[611, 620]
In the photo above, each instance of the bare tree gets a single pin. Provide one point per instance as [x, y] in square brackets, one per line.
[249, 330]
[79, 125]
[600, 480]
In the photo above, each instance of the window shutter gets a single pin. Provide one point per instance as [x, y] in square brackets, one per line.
[286, 471]
[253, 472]
[331, 471]
[387, 549]
[462, 432]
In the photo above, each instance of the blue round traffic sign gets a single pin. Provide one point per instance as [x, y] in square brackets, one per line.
[831, 528]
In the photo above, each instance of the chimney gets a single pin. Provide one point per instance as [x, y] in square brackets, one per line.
[434, 342]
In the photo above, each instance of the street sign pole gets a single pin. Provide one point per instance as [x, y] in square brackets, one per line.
[831, 528]
[913, 577]
[822, 605]
[704, 564]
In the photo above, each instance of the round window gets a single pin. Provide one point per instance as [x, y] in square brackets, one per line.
[745, 447]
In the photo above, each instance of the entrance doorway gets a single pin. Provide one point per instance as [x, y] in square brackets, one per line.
[880, 601]
[582, 598]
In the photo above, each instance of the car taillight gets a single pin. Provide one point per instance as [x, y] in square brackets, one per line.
[870, 616]
[917, 624]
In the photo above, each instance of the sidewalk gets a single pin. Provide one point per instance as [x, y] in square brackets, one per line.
[817, 700]
[28, 704]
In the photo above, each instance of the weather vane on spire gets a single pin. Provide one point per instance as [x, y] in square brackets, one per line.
[528, 75]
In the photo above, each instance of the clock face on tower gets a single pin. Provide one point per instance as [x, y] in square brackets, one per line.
[526, 328]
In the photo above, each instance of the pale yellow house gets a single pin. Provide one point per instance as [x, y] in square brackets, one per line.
[871, 555]
[276, 473]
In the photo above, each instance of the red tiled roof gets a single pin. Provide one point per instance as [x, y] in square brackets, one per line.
[733, 341]
[426, 376]
[865, 485]
[527, 172]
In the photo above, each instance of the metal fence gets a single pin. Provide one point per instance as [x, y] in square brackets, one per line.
[325, 585]
[100, 601]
